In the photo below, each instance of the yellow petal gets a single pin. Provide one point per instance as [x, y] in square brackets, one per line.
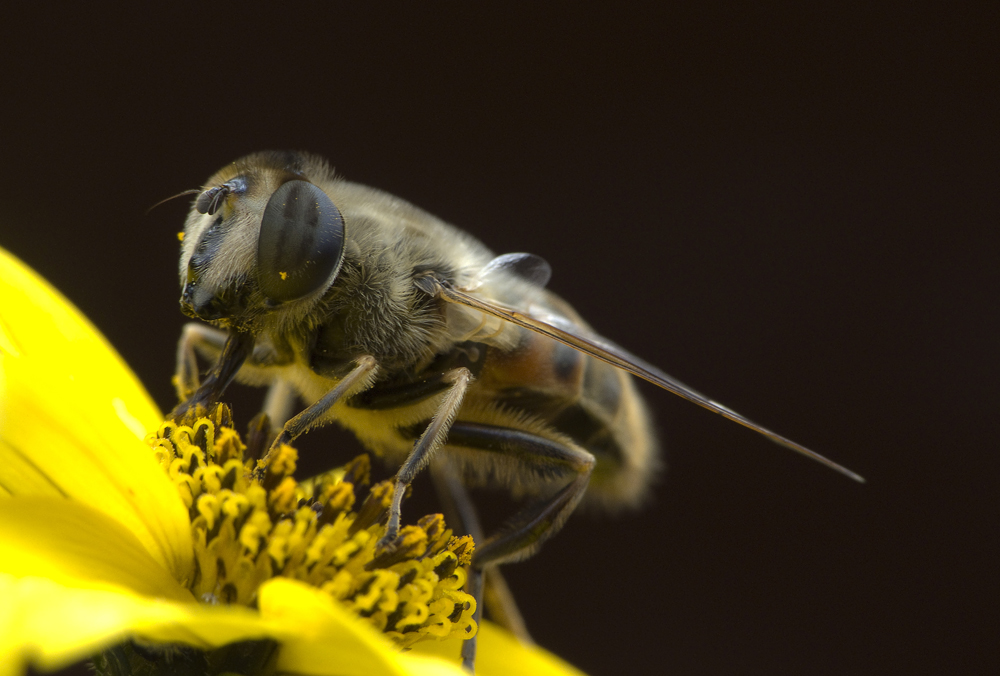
[499, 653]
[77, 546]
[51, 625]
[93, 585]
[72, 416]
[325, 639]
[49, 447]
[38, 323]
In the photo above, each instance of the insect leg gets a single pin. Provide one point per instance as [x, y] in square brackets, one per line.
[194, 335]
[474, 587]
[306, 419]
[237, 349]
[199, 340]
[432, 438]
[461, 512]
[455, 499]
[267, 425]
[279, 402]
[500, 601]
[496, 596]
[536, 523]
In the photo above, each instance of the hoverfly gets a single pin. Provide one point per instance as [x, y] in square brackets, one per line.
[418, 339]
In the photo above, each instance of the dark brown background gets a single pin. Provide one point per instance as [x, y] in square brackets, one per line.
[794, 211]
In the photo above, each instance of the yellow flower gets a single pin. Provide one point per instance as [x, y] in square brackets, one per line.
[97, 544]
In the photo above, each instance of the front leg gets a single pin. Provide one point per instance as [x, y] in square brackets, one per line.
[193, 337]
[237, 348]
[207, 342]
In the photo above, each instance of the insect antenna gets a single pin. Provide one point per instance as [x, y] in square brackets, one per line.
[192, 191]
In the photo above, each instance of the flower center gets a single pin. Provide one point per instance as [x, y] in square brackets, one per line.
[246, 531]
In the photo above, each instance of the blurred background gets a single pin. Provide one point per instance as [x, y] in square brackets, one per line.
[793, 210]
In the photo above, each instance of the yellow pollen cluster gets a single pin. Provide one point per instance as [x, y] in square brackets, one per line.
[247, 530]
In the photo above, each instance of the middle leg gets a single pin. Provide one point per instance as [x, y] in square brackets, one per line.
[423, 450]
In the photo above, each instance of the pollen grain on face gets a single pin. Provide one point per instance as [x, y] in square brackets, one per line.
[319, 532]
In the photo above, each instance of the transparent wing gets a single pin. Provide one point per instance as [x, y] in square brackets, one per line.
[605, 350]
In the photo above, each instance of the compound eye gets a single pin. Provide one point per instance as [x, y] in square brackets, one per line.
[301, 242]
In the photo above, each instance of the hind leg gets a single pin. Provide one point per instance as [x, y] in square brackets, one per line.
[461, 513]
[534, 524]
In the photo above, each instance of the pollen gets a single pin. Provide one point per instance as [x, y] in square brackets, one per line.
[180, 236]
[283, 275]
[322, 532]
